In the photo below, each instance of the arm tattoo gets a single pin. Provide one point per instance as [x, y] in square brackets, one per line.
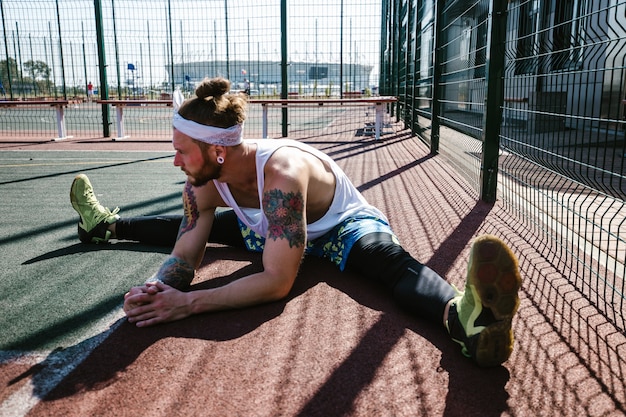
[191, 211]
[284, 213]
[174, 272]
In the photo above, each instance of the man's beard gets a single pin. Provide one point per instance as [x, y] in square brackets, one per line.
[208, 173]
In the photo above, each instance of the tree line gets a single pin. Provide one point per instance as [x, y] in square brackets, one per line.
[32, 78]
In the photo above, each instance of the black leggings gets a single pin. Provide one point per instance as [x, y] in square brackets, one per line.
[163, 230]
[415, 287]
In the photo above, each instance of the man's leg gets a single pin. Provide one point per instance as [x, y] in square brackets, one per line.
[151, 230]
[99, 224]
[94, 218]
[414, 286]
[478, 319]
[163, 230]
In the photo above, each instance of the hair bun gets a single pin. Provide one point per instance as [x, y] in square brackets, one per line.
[212, 88]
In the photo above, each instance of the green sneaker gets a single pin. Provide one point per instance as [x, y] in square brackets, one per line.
[480, 318]
[94, 219]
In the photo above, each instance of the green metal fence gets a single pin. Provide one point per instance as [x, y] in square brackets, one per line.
[133, 49]
[526, 99]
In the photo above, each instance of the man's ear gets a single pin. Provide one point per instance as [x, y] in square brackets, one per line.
[219, 150]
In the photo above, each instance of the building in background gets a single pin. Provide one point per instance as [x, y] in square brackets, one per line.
[305, 78]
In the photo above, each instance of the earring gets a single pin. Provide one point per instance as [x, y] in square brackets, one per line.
[220, 160]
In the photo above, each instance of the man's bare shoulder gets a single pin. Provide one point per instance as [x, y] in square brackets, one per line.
[298, 170]
[290, 160]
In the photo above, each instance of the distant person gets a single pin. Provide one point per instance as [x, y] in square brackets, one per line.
[246, 86]
[287, 199]
[2, 91]
[89, 91]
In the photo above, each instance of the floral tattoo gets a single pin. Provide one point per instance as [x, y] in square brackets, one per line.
[284, 213]
[191, 211]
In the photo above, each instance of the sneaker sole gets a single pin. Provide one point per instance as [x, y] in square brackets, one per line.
[494, 345]
[495, 276]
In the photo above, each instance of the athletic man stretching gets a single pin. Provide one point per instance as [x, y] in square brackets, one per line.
[288, 199]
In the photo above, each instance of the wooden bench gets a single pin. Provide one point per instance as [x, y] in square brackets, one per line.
[378, 102]
[120, 104]
[59, 106]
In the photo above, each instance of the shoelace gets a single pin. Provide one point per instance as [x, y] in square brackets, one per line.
[102, 213]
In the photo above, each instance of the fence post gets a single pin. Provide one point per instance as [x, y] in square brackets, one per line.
[435, 109]
[411, 53]
[284, 80]
[64, 86]
[494, 97]
[102, 69]
[383, 79]
[395, 73]
[6, 50]
[171, 45]
[227, 40]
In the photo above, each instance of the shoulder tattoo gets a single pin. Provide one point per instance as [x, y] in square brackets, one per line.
[284, 213]
[191, 213]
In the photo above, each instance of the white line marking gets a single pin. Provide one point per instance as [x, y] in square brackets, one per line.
[56, 365]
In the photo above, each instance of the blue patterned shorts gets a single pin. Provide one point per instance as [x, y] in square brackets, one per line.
[334, 245]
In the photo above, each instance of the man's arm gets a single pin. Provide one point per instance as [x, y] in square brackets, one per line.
[179, 268]
[282, 255]
[284, 202]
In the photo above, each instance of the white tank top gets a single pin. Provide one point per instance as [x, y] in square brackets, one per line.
[347, 202]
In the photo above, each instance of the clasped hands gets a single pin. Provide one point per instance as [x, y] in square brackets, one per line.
[155, 302]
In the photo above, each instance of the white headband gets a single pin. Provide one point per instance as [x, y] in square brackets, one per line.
[213, 135]
[229, 136]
